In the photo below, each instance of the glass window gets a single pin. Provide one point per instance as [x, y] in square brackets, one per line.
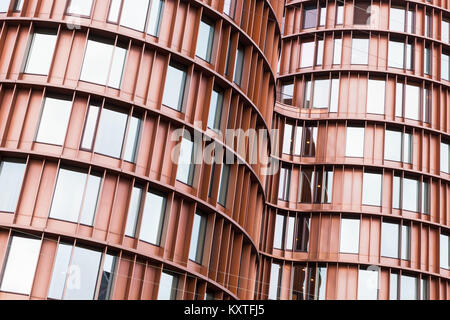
[60, 269]
[11, 178]
[411, 22]
[445, 157]
[355, 142]
[428, 29]
[284, 185]
[40, 52]
[398, 146]
[279, 232]
[349, 240]
[229, 7]
[319, 53]
[316, 186]
[399, 99]
[287, 139]
[239, 65]
[406, 245]
[397, 19]
[427, 59]
[54, 121]
[396, 192]
[361, 13]
[367, 284]
[334, 100]
[372, 183]
[287, 93]
[396, 54]
[424, 294]
[80, 7]
[223, 184]
[215, 109]
[309, 141]
[21, 261]
[114, 10]
[376, 96]
[155, 17]
[360, 51]
[307, 54]
[185, 171]
[337, 53]
[107, 277]
[410, 195]
[302, 234]
[321, 94]
[102, 59]
[168, 286]
[174, 87]
[407, 147]
[134, 14]
[444, 251]
[323, 15]
[409, 55]
[310, 17]
[133, 211]
[339, 13]
[198, 238]
[412, 102]
[309, 283]
[425, 197]
[153, 218]
[393, 286]
[320, 284]
[445, 66]
[4, 5]
[290, 232]
[90, 127]
[205, 40]
[408, 288]
[68, 204]
[445, 27]
[390, 239]
[275, 282]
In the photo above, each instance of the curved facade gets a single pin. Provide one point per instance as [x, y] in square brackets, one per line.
[360, 207]
[91, 95]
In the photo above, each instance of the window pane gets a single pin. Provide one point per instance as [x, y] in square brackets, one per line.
[425, 197]
[445, 31]
[198, 238]
[396, 193]
[372, 189]
[319, 59]
[321, 283]
[367, 285]
[97, 60]
[110, 133]
[83, 273]
[186, 165]
[340, 13]
[298, 140]
[410, 195]
[337, 51]
[290, 233]
[396, 54]
[284, 184]
[444, 252]
[90, 200]
[399, 100]
[174, 88]
[54, 120]
[117, 66]
[321, 90]
[323, 15]
[279, 231]
[412, 102]
[40, 54]
[445, 159]
[408, 288]
[310, 17]
[349, 242]
[393, 145]
[360, 51]
[131, 145]
[133, 212]
[153, 218]
[393, 286]
[307, 54]
[427, 59]
[154, 22]
[334, 95]
[306, 185]
[445, 66]
[405, 242]
[167, 287]
[239, 65]
[134, 14]
[80, 7]
[299, 290]
[355, 142]
[89, 128]
[389, 240]
[361, 13]
[223, 184]
[23, 256]
[309, 141]
[4, 5]
[215, 110]
[375, 96]
[11, 178]
[287, 93]
[407, 147]
[424, 289]
[274, 286]
[397, 19]
[409, 56]
[68, 195]
[114, 10]
[205, 40]
[302, 235]
[411, 20]
[60, 271]
[229, 7]
[287, 139]
[107, 277]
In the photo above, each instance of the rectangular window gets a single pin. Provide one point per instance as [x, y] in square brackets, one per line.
[168, 286]
[444, 251]
[323, 15]
[309, 283]
[153, 218]
[408, 288]
[339, 13]
[239, 65]
[284, 184]
[390, 240]
[40, 52]
[223, 184]
[337, 53]
[319, 53]
[412, 102]
[372, 184]
[396, 192]
[445, 27]
[349, 236]
[107, 277]
[4, 5]
[397, 19]
[54, 121]
[307, 54]
[278, 238]
[424, 289]
[409, 55]
[103, 63]
[205, 40]
[75, 197]
[393, 286]
[361, 13]
[396, 54]
[411, 28]
[229, 8]
[367, 284]
[398, 146]
[334, 95]
[287, 139]
[360, 51]
[406, 243]
[321, 97]
[133, 211]
[287, 93]
[323, 186]
[174, 87]
[376, 96]
[80, 7]
[445, 66]
[355, 142]
[198, 238]
[445, 157]
[399, 99]
[309, 141]
[155, 17]
[310, 17]
[275, 282]
[21, 261]
[427, 59]
[215, 109]
[302, 234]
[11, 179]
[428, 28]
[186, 166]
[410, 195]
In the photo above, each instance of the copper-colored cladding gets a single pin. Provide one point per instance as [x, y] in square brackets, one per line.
[230, 257]
[324, 231]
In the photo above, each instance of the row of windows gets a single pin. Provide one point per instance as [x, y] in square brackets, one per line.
[309, 282]
[79, 273]
[400, 19]
[301, 140]
[400, 54]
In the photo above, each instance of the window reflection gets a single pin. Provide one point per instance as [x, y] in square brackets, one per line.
[309, 282]
[198, 238]
[205, 40]
[275, 282]
[360, 51]
[372, 184]
[54, 121]
[349, 236]
[40, 53]
[174, 87]
[376, 96]
[368, 284]
[11, 176]
[355, 142]
[307, 54]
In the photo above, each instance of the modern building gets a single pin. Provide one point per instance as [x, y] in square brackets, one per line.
[107, 108]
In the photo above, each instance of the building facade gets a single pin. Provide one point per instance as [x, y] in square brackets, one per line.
[107, 109]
